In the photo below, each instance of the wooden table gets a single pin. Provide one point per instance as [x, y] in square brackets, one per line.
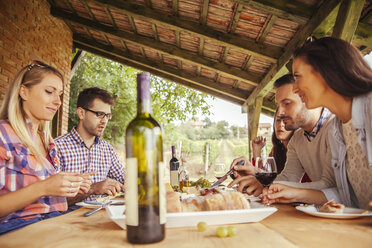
[285, 228]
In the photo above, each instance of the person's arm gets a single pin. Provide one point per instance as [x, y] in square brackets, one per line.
[116, 171]
[293, 170]
[278, 193]
[61, 184]
[258, 144]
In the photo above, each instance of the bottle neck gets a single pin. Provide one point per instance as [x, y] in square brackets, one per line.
[144, 106]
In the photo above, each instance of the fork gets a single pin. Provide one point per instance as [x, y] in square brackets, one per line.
[89, 213]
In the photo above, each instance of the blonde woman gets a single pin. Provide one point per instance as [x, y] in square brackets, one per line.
[31, 189]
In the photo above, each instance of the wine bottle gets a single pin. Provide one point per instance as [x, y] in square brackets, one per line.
[144, 182]
[174, 165]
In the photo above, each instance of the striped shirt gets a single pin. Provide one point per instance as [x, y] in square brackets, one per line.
[323, 117]
[19, 168]
[75, 156]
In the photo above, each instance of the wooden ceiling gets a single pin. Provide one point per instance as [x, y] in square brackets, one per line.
[231, 49]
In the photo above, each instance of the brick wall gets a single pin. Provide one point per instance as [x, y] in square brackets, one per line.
[28, 32]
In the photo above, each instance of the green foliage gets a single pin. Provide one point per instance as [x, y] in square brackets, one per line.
[239, 147]
[170, 101]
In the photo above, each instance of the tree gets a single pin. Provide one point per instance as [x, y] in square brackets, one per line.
[170, 101]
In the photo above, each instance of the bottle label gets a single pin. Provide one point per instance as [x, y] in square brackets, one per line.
[174, 178]
[131, 191]
[162, 194]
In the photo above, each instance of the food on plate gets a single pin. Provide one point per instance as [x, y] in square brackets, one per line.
[105, 198]
[201, 183]
[332, 207]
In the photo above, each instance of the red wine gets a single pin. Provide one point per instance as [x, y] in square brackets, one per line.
[148, 218]
[265, 178]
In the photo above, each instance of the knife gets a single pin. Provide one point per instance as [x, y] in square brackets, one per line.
[89, 213]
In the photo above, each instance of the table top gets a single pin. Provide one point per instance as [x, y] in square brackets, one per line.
[287, 227]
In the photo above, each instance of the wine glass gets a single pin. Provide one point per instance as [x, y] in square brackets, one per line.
[266, 171]
[219, 170]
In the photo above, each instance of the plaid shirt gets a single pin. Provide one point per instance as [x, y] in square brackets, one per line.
[19, 168]
[323, 118]
[75, 156]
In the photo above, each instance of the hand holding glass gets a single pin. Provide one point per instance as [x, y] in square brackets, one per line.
[266, 171]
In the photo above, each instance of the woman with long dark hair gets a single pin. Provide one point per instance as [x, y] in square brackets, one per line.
[331, 73]
[279, 138]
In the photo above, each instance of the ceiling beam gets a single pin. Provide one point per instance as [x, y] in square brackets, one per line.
[154, 71]
[291, 10]
[347, 19]
[270, 53]
[267, 82]
[199, 81]
[169, 50]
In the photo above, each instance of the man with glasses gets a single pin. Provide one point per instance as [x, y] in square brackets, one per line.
[83, 151]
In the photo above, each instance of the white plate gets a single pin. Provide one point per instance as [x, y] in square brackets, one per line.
[116, 213]
[349, 213]
[87, 205]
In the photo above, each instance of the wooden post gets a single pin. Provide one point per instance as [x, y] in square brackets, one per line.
[254, 112]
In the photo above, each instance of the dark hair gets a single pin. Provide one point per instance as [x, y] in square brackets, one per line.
[87, 96]
[339, 63]
[283, 80]
[279, 150]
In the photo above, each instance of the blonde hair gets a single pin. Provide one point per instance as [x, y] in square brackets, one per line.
[12, 108]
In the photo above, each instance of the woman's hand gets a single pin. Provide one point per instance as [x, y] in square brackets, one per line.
[86, 183]
[257, 144]
[65, 184]
[279, 193]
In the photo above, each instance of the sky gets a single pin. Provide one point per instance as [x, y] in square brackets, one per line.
[232, 113]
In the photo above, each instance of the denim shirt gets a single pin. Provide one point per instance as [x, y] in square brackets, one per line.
[362, 122]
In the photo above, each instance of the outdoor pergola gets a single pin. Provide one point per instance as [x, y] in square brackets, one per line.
[231, 49]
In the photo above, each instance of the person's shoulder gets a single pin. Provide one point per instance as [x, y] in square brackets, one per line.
[104, 143]
[62, 138]
[6, 128]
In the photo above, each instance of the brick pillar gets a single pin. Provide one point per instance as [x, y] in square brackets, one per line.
[29, 32]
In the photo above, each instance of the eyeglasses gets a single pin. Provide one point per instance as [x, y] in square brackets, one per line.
[100, 115]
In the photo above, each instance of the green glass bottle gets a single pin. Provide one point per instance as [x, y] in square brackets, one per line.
[144, 182]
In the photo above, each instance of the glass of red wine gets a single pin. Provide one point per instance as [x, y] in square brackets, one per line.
[266, 171]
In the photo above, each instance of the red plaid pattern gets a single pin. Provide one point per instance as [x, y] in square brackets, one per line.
[19, 168]
[75, 156]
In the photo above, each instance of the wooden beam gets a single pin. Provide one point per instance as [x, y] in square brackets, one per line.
[112, 21]
[238, 10]
[167, 49]
[266, 105]
[204, 13]
[267, 82]
[157, 72]
[266, 28]
[148, 4]
[155, 32]
[201, 46]
[327, 25]
[89, 10]
[270, 53]
[132, 24]
[291, 10]
[198, 81]
[347, 19]
[248, 63]
[175, 7]
[225, 53]
[363, 34]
